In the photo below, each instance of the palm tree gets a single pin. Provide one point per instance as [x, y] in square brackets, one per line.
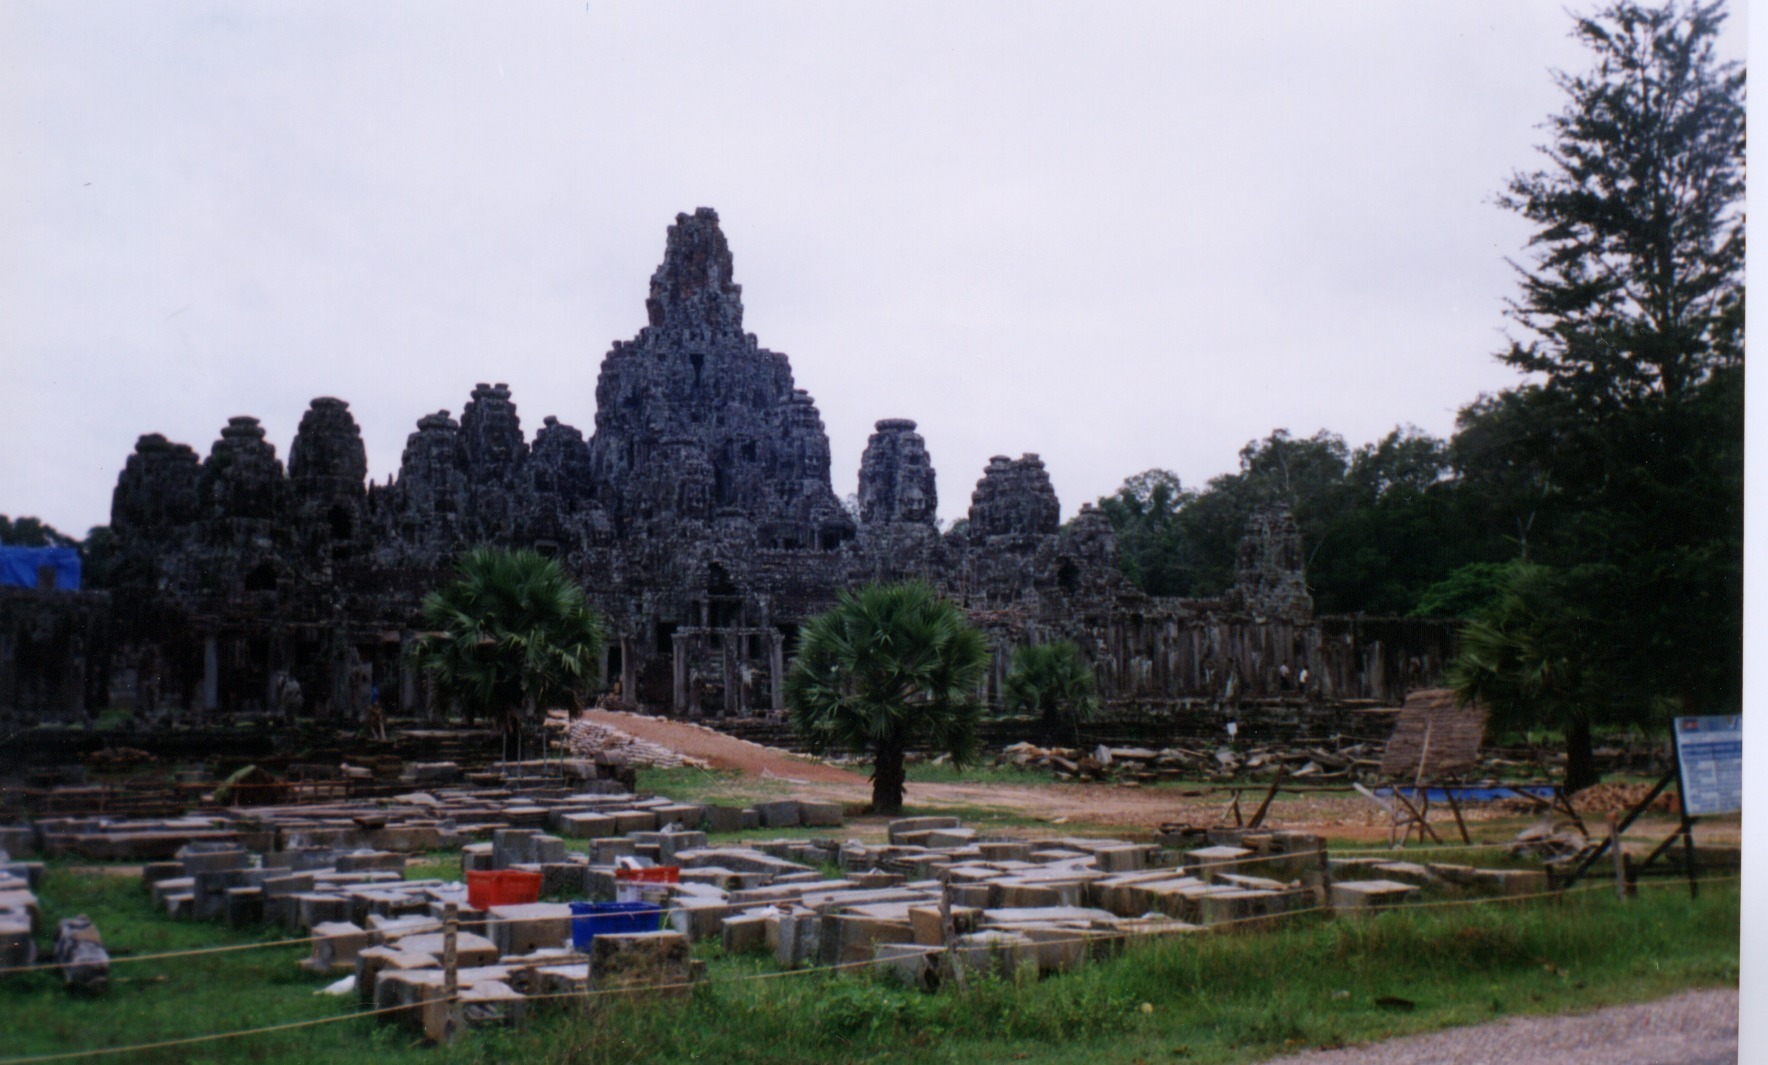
[510, 634]
[1531, 658]
[889, 666]
[1054, 680]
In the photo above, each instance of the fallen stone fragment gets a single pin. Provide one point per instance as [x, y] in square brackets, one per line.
[79, 950]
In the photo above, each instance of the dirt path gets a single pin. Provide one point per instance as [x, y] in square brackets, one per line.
[1347, 816]
[1693, 1028]
[724, 752]
[1103, 804]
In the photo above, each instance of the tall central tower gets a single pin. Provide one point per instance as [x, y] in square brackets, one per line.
[695, 421]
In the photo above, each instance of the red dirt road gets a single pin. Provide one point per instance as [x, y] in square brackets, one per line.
[1344, 815]
[1102, 804]
[724, 752]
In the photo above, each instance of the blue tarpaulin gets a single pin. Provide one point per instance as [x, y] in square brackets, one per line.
[20, 567]
[1470, 793]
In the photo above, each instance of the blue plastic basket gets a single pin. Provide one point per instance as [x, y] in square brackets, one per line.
[591, 919]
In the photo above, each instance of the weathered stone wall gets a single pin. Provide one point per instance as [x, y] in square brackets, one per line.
[700, 517]
[54, 656]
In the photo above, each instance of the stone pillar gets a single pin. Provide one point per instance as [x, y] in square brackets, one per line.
[211, 693]
[679, 642]
[628, 670]
[776, 664]
[733, 683]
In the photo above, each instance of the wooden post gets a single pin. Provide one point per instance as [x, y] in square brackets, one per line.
[1632, 815]
[1614, 843]
[1564, 802]
[450, 972]
[1455, 808]
[1688, 851]
[1258, 818]
[1686, 826]
[948, 933]
[1415, 817]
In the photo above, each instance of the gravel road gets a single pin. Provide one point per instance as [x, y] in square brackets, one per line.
[1693, 1028]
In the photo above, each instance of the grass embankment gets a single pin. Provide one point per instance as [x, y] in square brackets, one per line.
[725, 787]
[732, 788]
[1209, 998]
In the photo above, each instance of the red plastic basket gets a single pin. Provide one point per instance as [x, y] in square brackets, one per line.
[501, 887]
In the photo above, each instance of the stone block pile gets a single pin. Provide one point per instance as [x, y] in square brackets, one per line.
[1336, 759]
[1012, 905]
[298, 889]
[416, 821]
[935, 899]
[21, 917]
[79, 948]
[1362, 884]
[386, 933]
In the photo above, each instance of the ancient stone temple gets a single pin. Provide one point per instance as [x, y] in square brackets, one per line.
[700, 516]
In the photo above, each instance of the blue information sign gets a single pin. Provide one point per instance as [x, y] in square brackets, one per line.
[1710, 750]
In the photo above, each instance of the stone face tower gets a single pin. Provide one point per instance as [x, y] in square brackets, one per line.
[327, 469]
[1270, 578]
[693, 391]
[896, 480]
[1014, 498]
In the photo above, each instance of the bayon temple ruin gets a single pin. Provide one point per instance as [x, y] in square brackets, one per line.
[699, 515]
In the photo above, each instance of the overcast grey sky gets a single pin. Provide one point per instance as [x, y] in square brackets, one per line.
[1119, 235]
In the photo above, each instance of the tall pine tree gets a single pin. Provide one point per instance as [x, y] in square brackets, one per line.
[1623, 459]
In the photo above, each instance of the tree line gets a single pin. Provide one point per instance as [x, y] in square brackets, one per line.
[1586, 523]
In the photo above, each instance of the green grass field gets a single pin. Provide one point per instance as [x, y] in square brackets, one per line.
[1203, 998]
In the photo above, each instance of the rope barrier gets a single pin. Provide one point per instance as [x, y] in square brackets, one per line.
[119, 958]
[1099, 936]
[169, 1043]
[1425, 848]
[589, 993]
[196, 951]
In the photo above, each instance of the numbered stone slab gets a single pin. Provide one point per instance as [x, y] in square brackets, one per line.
[336, 948]
[22, 902]
[785, 813]
[17, 946]
[641, 959]
[585, 825]
[524, 928]
[906, 826]
[914, 964]
[470, 951]
[820, 814]
[1008, 955]
[1213, 861]
[1364, 895]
